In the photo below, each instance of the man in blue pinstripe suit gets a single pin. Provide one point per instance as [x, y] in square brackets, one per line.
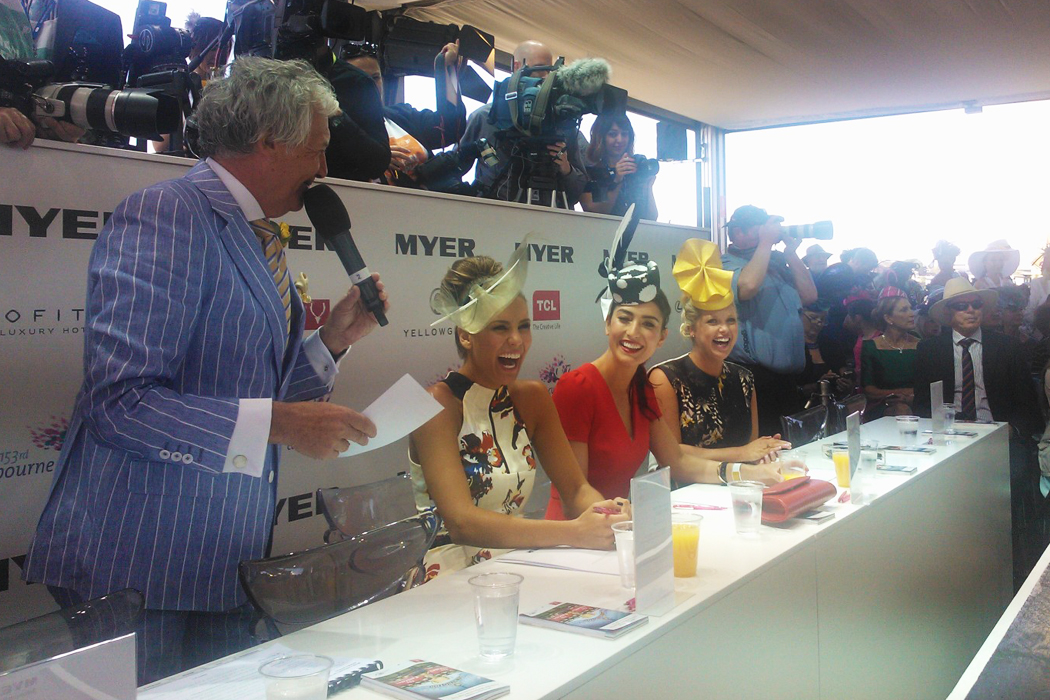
[196, 372]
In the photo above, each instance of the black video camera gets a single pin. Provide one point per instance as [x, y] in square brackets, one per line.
[156, 45]
[530, 112]
[549, 108]
[307, 25]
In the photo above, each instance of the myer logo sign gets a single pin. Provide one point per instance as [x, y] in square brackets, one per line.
[433, 246]
[546, 305]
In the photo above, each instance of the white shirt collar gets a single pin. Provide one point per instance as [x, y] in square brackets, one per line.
[245, 199]
[957, 336]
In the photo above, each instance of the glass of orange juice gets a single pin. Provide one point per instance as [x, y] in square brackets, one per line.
[841, 460]
[685, 541]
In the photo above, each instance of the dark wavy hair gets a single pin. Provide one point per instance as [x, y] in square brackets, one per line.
[602, 125]
[641, 378]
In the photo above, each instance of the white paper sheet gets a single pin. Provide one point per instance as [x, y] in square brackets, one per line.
[236, 679]
[401, 409]
[569, 558]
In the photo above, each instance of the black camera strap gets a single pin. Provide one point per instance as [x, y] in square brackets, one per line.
[539, 108]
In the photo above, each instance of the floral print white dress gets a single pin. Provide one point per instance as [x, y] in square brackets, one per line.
[498, 461]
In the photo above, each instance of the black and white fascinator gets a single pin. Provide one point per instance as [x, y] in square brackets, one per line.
[634, 283]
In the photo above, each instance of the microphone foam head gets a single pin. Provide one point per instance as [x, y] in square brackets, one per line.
[326, 211]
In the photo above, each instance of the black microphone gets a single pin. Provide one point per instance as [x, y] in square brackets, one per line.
[332, 223]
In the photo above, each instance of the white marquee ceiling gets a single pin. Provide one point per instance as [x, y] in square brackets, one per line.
[749, 63]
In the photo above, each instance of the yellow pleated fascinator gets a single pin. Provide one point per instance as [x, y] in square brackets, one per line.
[700, 276]
[487, 297]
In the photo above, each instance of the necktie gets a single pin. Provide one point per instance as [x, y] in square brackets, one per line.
[269, 234]
[969, 394]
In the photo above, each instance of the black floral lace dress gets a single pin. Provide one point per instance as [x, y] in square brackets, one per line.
[712, 411]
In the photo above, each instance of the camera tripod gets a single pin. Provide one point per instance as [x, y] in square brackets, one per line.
[534, 175]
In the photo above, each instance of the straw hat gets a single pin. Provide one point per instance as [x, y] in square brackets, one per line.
[1011, 258]
[955, 288]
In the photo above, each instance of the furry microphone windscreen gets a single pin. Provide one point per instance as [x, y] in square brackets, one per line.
[584, 76]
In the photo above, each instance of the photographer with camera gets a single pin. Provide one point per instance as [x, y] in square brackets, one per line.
[16, 43]
[770, 287]
[358, 149]
[493, 181]
[414, 134]
[203, 32]
[623, 178]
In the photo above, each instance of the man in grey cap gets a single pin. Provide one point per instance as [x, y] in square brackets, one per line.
[816, 259]
[770, 288]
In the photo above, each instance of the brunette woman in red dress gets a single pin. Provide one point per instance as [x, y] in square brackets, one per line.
[608, 408]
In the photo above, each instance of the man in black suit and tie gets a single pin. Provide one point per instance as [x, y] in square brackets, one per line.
[986, 377]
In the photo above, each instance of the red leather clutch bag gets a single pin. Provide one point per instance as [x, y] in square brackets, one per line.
[793, 497]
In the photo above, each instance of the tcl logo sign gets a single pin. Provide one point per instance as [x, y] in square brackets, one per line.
[546, 305]
[317, 313]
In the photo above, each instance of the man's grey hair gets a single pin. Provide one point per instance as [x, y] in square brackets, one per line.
[262, 99]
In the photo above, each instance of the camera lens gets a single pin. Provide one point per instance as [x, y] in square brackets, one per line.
[134, 112]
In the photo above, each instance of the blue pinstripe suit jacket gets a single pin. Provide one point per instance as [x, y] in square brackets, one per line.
[183, 319]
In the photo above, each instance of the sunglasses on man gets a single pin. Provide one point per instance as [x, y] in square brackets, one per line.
[976, 305]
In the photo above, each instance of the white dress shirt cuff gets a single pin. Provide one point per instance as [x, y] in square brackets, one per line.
[250, 439]
[317, 354]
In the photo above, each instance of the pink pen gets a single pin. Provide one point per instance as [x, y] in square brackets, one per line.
[697, 506]
[606, 511]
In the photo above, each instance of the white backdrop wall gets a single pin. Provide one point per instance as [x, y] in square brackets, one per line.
[55, 198]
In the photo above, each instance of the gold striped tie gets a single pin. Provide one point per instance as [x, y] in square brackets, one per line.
[269, 234]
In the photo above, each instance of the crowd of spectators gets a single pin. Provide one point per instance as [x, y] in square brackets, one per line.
[889, 329]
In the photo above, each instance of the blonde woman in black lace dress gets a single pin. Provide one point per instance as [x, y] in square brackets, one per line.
[707, 402]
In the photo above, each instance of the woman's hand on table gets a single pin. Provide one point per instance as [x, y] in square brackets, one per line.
[764, 449]
[594, 526]
[768, 473]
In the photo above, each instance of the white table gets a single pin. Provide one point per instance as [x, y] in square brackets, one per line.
[1034, 591]
[888, 600]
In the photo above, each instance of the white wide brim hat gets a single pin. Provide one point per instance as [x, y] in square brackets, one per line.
[955, 288]
[1011, 259]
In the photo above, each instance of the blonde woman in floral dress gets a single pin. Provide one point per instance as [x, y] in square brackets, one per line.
[475, 462]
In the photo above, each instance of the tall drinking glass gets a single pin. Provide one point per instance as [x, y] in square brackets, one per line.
[949, 418]
[909, 429]
[747, 505]
[496, 612]
[685, 542]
